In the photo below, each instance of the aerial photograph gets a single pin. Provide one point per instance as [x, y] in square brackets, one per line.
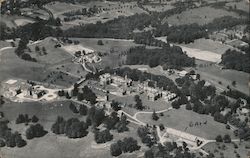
[124, 79]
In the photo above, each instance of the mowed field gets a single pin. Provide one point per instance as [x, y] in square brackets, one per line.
[203, 49]
[53, 56]
[54, 64]
[201, 16]
[58, 145]
[15, 20]
[114, 10]
[116, 45]
[12, 66]
[181, 118]
[214, 73]
[158, 7]
[229, 151]
[209, 45]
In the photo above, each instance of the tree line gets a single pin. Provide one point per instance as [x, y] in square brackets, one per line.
[169, 57]
[233, 59]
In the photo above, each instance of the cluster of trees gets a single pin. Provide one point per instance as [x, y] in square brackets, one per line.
[35, 131]
[138, 103]
[114, 122]
[243, 131]
[82, 94]
[13, 7]
[237, 95]
[225, 139]
[87, 94]
[170, 150]
[121, 27]
[82, 109]
[155, 116]
[5, 32]
[146, 137]
[2, 100]
[181, 34]
[95, 116]
[37, 31]
[103, 136]
[115, 105]
[168, 57]
[24, 118]
[9, 139]
[84, 11]
[20, 50]
[72, 128]
[203, 99]
[123, 146]
[233, 59]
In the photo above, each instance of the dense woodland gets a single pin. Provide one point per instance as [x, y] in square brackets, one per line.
[234, 59]
[170, 57]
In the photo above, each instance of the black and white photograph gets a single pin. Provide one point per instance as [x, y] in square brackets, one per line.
[124, 79]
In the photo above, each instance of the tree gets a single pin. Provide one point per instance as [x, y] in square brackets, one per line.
[37, 48]
[122, 124]
[227, 139]
[34, 119]
[103, 136]
[83, 110]
[2, 143]
[234, 83]
[99, 42]
[188, 106]
[115, 105]
[1, 100]
[19, 141]
[73, 108]
[198, 76]
[149, 154]
[138, 104]
[161, 127]
[219, 138]
[115, 150]
[35, 131]
[227, 126]
[155, 116]
[22, 118]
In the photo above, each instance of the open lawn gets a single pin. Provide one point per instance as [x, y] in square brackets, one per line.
[14, 21]
[46, 112]
[158, 7]
[12, 66]
[201, 16]
[181, 119]
[22, 22]
[229, 151]
[116, 45]
[213, 73]
[209, 45]
[53, 55]
[58, 8]
[112, 10]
